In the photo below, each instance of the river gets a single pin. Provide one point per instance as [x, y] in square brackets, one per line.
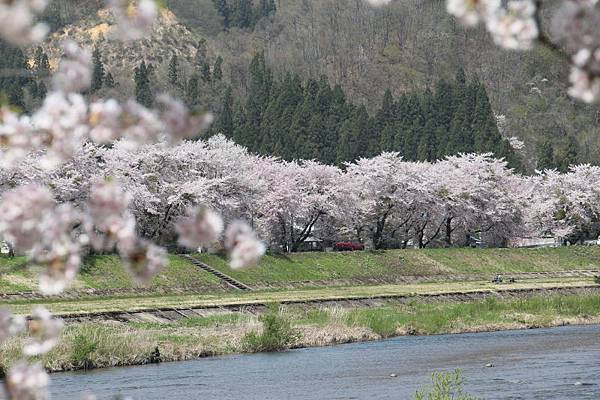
[556, 363]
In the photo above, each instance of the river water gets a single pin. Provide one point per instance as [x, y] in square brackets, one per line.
[556, 363]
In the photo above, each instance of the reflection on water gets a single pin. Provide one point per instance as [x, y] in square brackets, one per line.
[557, 363]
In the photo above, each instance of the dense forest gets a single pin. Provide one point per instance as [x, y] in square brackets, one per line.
[293, 119]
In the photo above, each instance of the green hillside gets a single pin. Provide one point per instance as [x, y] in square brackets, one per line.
[406, 47]
[107, 273]
[388, 265]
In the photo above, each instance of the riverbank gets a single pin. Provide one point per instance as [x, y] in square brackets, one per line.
[111, 343]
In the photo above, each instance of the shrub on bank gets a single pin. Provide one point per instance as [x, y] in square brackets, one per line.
[277, 335]
[445, 386]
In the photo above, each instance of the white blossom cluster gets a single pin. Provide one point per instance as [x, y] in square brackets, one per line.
[44, 331]
[244, 247]
[200, 227]
[10, 325]
[143, 259]
[75, 70]
[25, 381]
[512, 27]
[33, 223]
[18, 21]
[108, 220]
[134, 21]
[584, 79]
[472, 12]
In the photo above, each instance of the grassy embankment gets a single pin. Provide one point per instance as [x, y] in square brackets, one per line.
[344, 274]
[106, 273]
[103, 344]
[389, 266]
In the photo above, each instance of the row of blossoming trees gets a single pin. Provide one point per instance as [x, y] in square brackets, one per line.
[383, 201]
[79, 175]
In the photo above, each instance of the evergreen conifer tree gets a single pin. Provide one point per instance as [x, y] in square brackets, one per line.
[224, 11]
[218, 69]
[174, 71]
[205, 72]
[98, 73]
[545, 155]
[42, 64]
[109, 81]
[201, 53]
[192, 92]
[143, 90]
[225, 123]
[567, 154]
[11, 86]
[242, 14]
[42, 91]
[259, 91]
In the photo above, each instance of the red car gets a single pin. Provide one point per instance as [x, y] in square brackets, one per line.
[348, 246]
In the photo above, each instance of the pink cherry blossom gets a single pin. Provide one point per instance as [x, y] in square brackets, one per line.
[109, 219]
[75, 70]
[18, 21]
[10, 324]
[201, 227]
[22, 211]
[44, 331]
[244, 247]
[26, 382]
[143, 260]
[134, 21]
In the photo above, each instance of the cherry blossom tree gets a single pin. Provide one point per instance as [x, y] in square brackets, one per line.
[478, 195]
[296, 197]
[562, 205]
[379, 196]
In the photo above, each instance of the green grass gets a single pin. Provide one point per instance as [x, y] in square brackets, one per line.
[107, 272]
[391, 264]
[14, 277]
[197, 322]
[212, 320]
[435, 318]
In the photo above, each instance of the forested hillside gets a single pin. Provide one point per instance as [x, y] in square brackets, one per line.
[293, 119]
[203, 51]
